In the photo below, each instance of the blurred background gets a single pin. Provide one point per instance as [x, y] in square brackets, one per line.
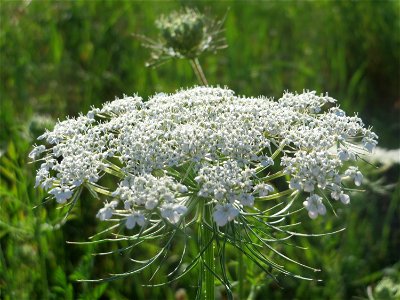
[58, 58]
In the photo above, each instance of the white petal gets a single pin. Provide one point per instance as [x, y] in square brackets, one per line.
[220, 218]
[313, 214]
[130, 222]
[322, 209]
[344, 198]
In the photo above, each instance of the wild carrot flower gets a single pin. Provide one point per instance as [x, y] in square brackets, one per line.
[206, 156]
[186, 33]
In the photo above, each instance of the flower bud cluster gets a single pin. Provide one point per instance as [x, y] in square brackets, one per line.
[186, 33]
[182, 31]
[221, 139]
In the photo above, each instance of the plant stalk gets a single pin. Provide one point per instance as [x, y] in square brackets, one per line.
[241, 275]
[207, 267]
[198, 71]
[208, 261]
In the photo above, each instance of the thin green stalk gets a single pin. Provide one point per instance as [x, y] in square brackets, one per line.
[275, 196]
[279, 150]
[207, 266]
[241, 275]
[208, 257]
[273, 176]
[198, 71]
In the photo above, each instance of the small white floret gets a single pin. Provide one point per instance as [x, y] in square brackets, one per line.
[358, 178]
[224, 214]
[62, 194]
[172, 212]
[107, 211]
[133, 219]
[37, 151]
[344, 198]
[314, 206]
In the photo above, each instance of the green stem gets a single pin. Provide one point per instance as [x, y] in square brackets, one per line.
[273, 176]
[198, 71]
[206, 235]
[208, 262]
[273, 156]
[279, 150]
[275, 196]
[241, 275]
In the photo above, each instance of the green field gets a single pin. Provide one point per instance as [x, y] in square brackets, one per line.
[59, 58]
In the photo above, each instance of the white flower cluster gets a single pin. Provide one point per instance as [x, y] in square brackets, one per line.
[147, 193]
[226, 181]
[221, 139]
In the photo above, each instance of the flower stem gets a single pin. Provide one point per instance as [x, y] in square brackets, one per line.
[273, 176]
[198, 71]
[276, 195]
[241, 275]
[208, 263]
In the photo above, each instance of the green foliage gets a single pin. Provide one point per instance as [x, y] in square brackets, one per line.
[59, 58]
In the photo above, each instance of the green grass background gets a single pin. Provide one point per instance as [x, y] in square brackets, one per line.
[58, 58]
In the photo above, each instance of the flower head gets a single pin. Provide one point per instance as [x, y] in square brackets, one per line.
[222, 140]
[186, 33]
[205, 157]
